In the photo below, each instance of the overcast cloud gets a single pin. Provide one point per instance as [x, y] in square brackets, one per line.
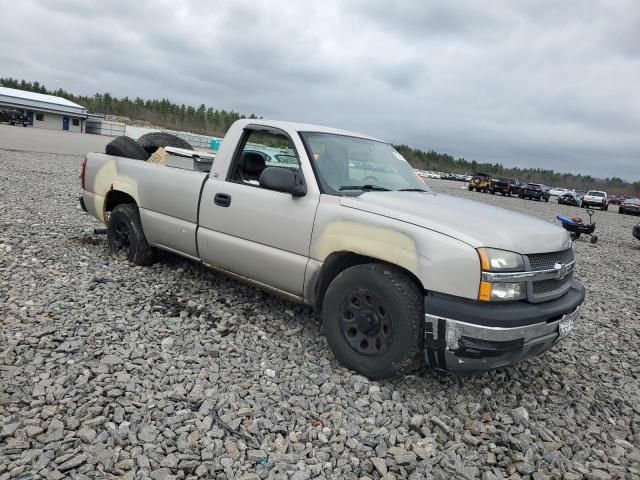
[530, 83]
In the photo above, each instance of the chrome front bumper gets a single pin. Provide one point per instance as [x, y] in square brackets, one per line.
[457, 346]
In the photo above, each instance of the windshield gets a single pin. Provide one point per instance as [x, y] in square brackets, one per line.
[356, 164]
[593, 193]
[533, 186]
[632, 201]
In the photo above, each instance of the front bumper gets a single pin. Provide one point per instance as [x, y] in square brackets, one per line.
[465, 336]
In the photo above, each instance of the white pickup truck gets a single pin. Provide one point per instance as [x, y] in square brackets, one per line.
[595, 198]
[403, 277]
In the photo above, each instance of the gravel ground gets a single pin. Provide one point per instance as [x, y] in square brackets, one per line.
[174, 371]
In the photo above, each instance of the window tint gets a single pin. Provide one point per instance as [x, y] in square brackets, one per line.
[262, 150]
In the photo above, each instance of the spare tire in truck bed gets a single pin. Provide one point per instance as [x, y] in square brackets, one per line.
[154, 140]
[126, 147]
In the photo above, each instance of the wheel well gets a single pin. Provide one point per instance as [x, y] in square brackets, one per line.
[340, 261]
[115, 198]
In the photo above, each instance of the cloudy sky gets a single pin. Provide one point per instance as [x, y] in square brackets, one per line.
[552, 84]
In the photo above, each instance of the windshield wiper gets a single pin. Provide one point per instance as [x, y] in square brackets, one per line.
[366, 188]
[413, 190]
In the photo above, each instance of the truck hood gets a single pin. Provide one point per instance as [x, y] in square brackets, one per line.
[475, 223]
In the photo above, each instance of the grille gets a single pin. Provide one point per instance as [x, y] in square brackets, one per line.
[546, 261]
[544, 287]
[543, 290]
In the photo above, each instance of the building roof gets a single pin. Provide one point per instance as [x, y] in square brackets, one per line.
[40, 101]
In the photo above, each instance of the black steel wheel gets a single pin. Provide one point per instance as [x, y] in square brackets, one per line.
[373, 319]
[365, 322]
[125, 236]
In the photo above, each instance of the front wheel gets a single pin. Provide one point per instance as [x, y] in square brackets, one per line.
[125, 236]
[373, 319]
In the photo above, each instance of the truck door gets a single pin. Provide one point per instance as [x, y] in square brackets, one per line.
[261, 234]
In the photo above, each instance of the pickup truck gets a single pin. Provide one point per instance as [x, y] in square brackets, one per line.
[402, 277]
[595, 198]
[505, 186]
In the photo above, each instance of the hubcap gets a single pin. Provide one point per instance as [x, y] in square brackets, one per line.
[365, 323]
[121, 239]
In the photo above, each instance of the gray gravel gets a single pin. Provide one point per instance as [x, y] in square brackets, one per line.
[174, 371]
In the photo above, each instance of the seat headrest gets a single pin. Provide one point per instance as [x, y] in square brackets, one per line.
[253, 163]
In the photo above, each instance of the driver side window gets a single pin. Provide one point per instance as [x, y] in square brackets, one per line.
[261, 150]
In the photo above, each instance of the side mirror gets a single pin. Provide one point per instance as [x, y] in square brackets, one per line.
[282, 179]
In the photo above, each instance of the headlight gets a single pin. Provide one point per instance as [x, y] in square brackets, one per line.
[501, 261]
[501, 291]
[494, 260]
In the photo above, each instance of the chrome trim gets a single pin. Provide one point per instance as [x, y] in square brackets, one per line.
[456, 329]
[558, 273]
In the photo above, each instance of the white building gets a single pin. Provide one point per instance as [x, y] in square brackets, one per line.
[45, 111]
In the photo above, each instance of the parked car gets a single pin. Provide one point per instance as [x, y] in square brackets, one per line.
[535, 191]
[595, 198]
[480, 182]
[630, 206]
[570, 198]
[557, 191]
[505, 186]
[403, 277]
[14, 117]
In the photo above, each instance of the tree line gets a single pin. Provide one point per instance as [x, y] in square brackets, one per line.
[163, 113]
[209, 121]
[443, 162]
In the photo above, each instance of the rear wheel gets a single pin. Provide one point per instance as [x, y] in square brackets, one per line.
[125, 236]
[373, 319]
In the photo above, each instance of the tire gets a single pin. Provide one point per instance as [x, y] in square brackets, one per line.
[546, 199]
[492, 192]
[594, 238]
[470, 189]
[380, 288]
[508, 193]
[126, 147]
[154, 140]
[574, 235]
[125, 236]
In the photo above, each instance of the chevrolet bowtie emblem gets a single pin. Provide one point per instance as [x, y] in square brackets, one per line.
[562, 270]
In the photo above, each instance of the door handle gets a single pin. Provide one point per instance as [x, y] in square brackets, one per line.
[222, 199]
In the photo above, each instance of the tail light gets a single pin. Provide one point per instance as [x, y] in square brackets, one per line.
[83, 168]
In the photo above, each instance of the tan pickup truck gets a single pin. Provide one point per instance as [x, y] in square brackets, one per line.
[403, 277]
